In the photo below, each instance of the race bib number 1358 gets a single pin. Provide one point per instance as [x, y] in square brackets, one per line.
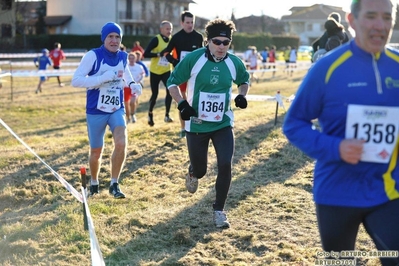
[378, 126]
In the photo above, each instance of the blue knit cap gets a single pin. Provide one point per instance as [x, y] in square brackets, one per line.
[108, 28]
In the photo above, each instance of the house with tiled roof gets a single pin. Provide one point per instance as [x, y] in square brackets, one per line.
[308, 22]
[259, 24]
[136, 17]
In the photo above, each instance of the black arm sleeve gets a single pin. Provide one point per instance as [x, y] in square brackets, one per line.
[147, 52]
[169, 49]
[323, 40]
[315, 45]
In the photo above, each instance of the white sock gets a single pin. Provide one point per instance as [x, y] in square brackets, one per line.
[114, 180]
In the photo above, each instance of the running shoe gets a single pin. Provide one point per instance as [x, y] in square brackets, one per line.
[150, 120]
[220, 219]
[191, 182]
[167, 119]
[93, 190]
[114, 190]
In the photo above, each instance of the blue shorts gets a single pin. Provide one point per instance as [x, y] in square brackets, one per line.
[97, 124]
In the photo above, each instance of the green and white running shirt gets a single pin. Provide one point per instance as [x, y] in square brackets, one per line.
[209, 88]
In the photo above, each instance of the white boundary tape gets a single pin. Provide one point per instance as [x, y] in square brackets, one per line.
[39, 73]
[96, 255]
[260, 98]
[70, 72]
[5, 74]
[32, 64]
[70, 188]
[32, 55]
[294, 69]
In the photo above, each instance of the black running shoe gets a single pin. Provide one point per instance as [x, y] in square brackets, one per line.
[150, 120]
[167, 119]
[114, 190]
[93, 190]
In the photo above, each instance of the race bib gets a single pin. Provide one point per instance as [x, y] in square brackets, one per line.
[211, 106]
[183, 54]
[378, 126]
[109, 100]
[163, 61]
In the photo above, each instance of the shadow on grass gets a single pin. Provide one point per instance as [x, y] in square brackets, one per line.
[66, 164]
[194, 223]
[48, 91]
[60, 128]
[27, 203]
[191, 226]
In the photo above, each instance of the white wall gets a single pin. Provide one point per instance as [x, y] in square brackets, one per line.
[88, 17]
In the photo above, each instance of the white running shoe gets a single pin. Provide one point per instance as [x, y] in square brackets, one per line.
[220, 219]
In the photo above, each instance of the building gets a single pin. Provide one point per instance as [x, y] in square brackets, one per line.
[259, 24]
[136, 17]
[17, 18]
[7, 18]
[308, 22]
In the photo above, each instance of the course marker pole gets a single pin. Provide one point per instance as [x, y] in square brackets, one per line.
[84, 180]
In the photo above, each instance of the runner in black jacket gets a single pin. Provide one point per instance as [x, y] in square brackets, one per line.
[182, 43]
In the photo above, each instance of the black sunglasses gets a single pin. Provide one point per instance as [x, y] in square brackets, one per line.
[219, 42]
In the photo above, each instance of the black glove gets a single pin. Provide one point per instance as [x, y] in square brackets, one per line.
[241, 101]
[186, 111]
[175, 62]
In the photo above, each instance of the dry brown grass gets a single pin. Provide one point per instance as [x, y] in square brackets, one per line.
[159, 223]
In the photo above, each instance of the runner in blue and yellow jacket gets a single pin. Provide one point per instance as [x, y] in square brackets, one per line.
[353, 92]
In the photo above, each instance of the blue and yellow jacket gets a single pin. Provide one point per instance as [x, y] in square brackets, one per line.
[347, 75]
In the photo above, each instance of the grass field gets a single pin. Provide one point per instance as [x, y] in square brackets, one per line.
[270, 202]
